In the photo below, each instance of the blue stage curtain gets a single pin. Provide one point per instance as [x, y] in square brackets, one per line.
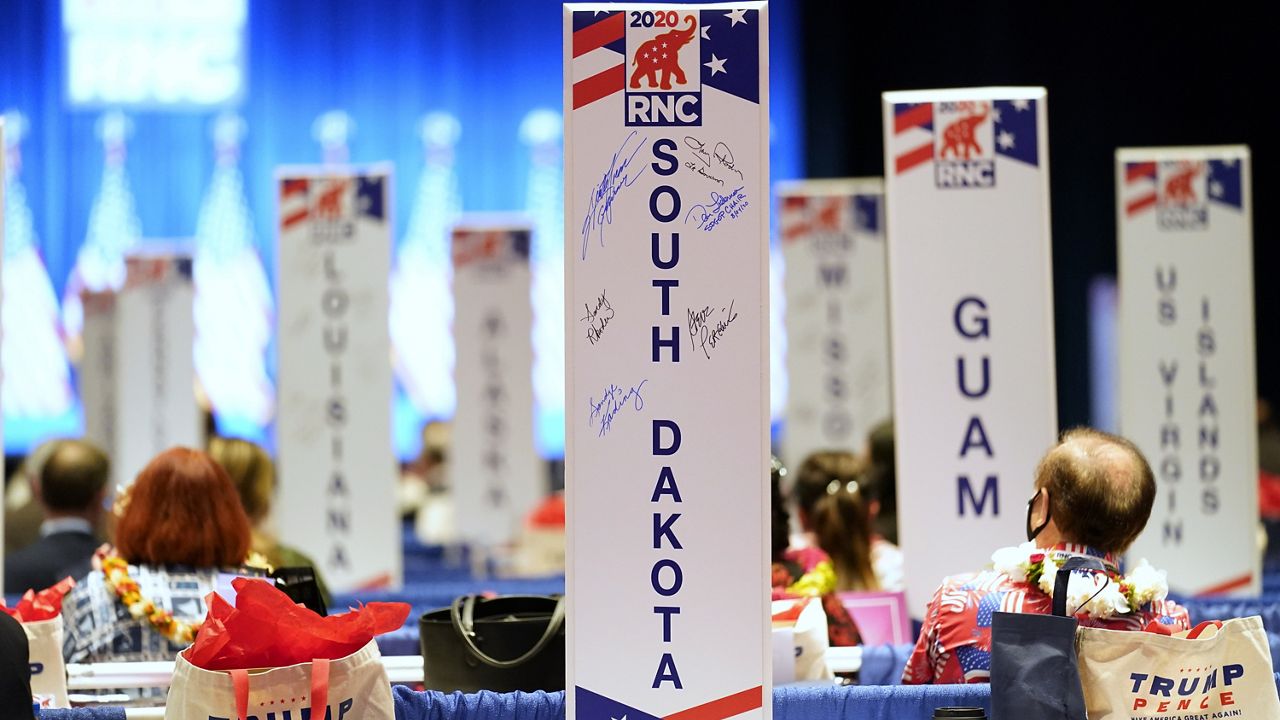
[386, 64]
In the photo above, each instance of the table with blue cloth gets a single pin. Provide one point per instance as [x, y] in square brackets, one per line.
[790, 702]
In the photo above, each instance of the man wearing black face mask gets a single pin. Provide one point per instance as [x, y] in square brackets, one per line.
[1093, 496]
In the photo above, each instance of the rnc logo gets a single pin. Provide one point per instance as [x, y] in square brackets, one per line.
[659, 92]
[1182, 198]
[965, 147]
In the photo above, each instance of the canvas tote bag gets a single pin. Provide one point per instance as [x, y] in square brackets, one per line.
[351, 688]
[1211, 671]
[1033, 658]
[48, 671]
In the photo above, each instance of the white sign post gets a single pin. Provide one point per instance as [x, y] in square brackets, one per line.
[836, 314]
[666, 322]
[971, 320]
[1187, 384]
[155, 368]
[337, 473]
[97, 370]
[138, 345]
[495, 473]
[4, 472]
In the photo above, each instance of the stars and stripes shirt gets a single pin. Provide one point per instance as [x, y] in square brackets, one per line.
[955, 643]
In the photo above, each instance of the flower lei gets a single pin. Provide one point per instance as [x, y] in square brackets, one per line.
[1099, 595]
[115, 572]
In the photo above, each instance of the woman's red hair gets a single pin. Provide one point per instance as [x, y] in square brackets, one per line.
[183, 510]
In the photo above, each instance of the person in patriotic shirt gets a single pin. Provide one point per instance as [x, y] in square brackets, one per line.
[1093, 496]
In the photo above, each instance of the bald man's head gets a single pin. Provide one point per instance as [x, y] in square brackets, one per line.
[74, 477]
[1100, 489]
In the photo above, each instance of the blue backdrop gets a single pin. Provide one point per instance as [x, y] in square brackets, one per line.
[385, 63]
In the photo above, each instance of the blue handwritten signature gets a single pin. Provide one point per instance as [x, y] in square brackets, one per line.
[721, 208]
[614, 179]
[614, 400]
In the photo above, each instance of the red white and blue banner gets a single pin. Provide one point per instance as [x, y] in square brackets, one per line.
[666, 322]
[1187, 381]
[494, 471]
[971, 320]
[837, 314]
[139, 345]
[337, 480]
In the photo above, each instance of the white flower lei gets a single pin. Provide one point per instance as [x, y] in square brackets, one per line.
[1101, 596]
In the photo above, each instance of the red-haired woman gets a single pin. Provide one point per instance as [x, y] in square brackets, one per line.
[179, 526]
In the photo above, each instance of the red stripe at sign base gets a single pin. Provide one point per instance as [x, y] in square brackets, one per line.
[725, 707]
[1227, 586]
[599, 85]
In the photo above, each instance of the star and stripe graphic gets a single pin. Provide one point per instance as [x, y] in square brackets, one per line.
[1145, 183]
[1014, 124]
[472, 246]
[913, 131]
[302, 199]
[728, 55]
[599, 55]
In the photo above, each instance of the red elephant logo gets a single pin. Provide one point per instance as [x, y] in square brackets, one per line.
[960, 137]
[329, 205]
[1178, 189]
[662, 53]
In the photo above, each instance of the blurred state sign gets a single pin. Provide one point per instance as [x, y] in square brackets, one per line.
[337, 472]
[1187, 383]
[836, 314]
[971, 320]
[137, 378]
[667, 360]
[494, 472]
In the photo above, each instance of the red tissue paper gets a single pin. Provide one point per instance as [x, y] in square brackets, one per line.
[267, 629]
[549, 514]
[43, 605]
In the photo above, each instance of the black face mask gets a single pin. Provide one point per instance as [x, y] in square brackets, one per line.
[1033, 532]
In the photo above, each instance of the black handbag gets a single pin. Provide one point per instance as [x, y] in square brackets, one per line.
[1034, 674]
[503, 644]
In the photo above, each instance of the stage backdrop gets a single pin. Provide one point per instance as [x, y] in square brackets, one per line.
[387, 66]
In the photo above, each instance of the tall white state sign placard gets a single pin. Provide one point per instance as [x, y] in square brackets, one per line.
[1187, 381]
[837, 314]
[137, 376]
[971, 321]
[337, 477]
[495, 475]
[666, 326]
